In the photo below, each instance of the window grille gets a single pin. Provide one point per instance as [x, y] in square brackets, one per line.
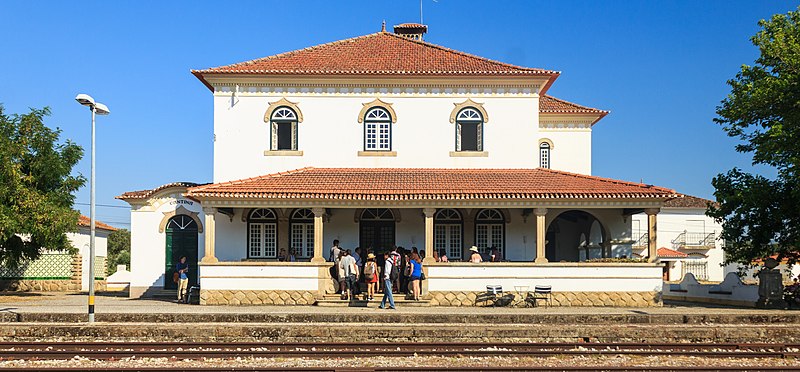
[544, 155]
[377, 130]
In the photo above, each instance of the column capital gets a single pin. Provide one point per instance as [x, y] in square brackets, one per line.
[652, 211]
[318, 212]
[429, 212]
[540, 211]
[209, 210]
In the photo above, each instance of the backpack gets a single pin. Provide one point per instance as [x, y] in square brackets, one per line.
[369, 270]
[395, 273]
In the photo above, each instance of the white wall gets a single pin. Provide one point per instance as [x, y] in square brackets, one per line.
[671, 222]
[563, 277]
[571, 151]
[330, 135]
[285, 277]
[80, 240]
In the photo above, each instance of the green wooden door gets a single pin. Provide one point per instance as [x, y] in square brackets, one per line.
[181, 240]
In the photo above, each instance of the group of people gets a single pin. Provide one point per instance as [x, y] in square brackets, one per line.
[395, 270]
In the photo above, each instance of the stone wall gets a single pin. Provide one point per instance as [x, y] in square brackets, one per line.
[255, 297]
[609, 299]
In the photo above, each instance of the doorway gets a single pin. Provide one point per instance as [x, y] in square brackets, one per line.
[181, 240]
[377, 230]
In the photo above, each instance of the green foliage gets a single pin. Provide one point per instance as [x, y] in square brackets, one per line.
[760, 217]
[36, 187]
[119, 250]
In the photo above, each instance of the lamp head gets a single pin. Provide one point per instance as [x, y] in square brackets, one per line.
[101, 109]
[85, 99]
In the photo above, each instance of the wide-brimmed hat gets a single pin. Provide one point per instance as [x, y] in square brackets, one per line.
[473, 248]
[370, 256]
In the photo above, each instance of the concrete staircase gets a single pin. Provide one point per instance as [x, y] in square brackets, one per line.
[333, 300]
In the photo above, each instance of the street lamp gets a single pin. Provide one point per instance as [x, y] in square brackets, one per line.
[97, 108]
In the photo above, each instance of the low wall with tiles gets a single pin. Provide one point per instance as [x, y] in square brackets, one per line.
[53, 272]
[608, 299]
[256, 297]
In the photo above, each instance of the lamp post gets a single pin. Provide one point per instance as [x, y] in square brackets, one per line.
[97, 108]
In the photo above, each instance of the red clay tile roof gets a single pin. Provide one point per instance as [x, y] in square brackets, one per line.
[144, 194]
[556, 106]
[670, 253]
[86, 221]
[688, 201]
[396, 184]
[381, 53]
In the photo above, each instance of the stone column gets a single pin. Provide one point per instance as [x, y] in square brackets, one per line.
[318, 213]
[540, 234]
[652, 242]
[210, 230]
[429, 212]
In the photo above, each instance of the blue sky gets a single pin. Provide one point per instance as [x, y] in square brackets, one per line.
[659, 67]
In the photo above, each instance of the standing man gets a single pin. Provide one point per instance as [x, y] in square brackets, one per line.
[390, 273]
[183, 275]
[334, 251]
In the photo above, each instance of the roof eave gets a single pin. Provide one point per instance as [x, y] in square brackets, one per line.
[199, 75]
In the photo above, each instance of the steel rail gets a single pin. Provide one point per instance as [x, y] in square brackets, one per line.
[112, 351]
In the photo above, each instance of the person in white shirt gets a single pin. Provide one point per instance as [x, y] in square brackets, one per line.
[334, 251]
[389, 275]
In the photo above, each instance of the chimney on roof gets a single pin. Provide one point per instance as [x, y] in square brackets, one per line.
[413, 31]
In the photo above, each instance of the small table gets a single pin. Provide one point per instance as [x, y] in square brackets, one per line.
[522, 294]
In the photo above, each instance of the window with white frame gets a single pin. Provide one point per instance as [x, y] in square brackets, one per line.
[469, 130]
[377, 130]
[489, 230]
[283, 124]
[544, 155]
[447, 233]
[301, 226]
[262, 234]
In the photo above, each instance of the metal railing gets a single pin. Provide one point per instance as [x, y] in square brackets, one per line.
[697, 240]
[641, 242]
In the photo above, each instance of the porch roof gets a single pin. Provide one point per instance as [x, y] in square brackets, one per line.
[391, 184]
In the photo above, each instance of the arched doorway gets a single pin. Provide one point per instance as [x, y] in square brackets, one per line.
[181, 240]
[575, 236]
[377, 229]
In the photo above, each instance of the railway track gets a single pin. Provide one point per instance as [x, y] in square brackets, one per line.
[201, 350]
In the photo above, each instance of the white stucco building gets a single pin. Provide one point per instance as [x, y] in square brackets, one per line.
[384, 140]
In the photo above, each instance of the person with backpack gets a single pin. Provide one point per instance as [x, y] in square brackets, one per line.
[391, 273]
[371, 276]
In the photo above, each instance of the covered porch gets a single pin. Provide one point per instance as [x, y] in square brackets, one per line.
[572, 241]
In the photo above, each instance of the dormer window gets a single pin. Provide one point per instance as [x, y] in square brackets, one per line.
[377, 130]
[469, 130]
[544, 155]
[284, 129]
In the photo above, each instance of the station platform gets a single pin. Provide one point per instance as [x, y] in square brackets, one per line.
[59, 316]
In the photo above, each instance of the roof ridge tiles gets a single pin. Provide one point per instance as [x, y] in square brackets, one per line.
[573, 104]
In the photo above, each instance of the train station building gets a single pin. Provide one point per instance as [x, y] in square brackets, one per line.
[384, 140]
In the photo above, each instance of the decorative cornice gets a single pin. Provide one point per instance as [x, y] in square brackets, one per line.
[564, 126]
[298, 203]
[280, 103]
[468, 103]
[377, 102]
[399, 89]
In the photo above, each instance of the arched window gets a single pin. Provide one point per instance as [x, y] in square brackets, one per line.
[301, 227]
[181, 222]
[469, 130]
[283, 129]
[447, 233]
[262, 234]
[490, 230]
[544, 155]
[377, 130]
[377, 214]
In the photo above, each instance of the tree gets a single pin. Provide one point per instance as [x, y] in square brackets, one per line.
[761, 217]
[119, 250]
[36, 187]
